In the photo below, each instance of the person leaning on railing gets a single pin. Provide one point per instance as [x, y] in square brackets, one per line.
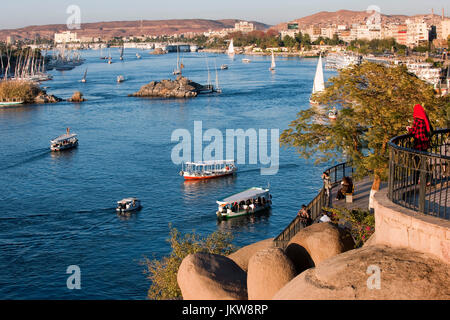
[421, 131]
[305, 216]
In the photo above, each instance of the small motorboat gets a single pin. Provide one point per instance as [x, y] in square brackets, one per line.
[332, 114]
[138, 55]
[245, 60]
[120, 79]
[207, 169]
[224, 67]
[10, 102]
[250, 201]
[64, 142]
[128, 205]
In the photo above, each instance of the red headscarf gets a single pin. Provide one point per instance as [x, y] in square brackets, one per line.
[419, 113]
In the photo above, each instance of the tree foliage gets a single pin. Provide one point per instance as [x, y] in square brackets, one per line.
[375, 104]
[163, 273]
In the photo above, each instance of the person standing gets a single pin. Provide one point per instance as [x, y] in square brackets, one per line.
[421, 132]
[327, 186]
[421, 129]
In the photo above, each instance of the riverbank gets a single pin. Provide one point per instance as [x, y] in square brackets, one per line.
[25, 92]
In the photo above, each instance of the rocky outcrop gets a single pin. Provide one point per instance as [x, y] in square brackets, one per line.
[243, 255]
[179, 88]
[316, 243]
[42, 97]
[77, 97]
[158, 51]
[204, 276]
[404, 274]
[268, 271]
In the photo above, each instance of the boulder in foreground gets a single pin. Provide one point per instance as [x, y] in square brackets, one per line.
[205, 276]
[268, 271]
[404, 274]
[316, 243]
[243, 255]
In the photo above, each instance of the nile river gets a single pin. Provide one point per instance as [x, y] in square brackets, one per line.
[59, 209]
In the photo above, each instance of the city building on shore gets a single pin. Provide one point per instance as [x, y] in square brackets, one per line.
[66, 37]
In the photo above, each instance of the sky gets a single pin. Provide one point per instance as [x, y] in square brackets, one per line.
[21, 13]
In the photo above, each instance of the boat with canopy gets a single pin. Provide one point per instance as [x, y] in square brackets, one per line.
[64, 142]
[128, 205]
[250, 201]
[207, 169]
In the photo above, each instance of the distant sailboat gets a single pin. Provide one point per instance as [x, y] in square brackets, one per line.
[273, 65]
[109, 57]
[319, 83]
[217, 89]
[84, 77]
[180, 66]
[121, 53]
[230, 50]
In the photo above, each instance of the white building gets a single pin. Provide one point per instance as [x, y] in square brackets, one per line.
[443, 30]
[244, 26]
[417, 33]
[66, 37]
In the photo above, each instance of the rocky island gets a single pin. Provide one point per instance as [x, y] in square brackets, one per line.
[182, 87]
[25, 91]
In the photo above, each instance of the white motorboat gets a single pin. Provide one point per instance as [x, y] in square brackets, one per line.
[10, 102]
[245, 60]
[332, 114]
[120, 79]
[207, 169]
[250, 201]
[64, 142]
[224, 67]
[128, 205]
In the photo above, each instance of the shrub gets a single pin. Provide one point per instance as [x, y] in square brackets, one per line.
[362, 223]
[163, 273]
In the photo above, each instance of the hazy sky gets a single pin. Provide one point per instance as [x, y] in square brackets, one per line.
[20, 13]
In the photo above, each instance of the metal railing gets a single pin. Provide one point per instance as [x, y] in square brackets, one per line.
[419, 180]
[336, 173]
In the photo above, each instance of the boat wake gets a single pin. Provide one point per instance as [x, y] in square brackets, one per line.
[27, 157]
[284, 166]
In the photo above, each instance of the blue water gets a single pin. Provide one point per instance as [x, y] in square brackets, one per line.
[58, 209]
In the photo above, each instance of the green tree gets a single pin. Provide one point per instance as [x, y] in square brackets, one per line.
[163, 273]
[375, 103]
[289, 41]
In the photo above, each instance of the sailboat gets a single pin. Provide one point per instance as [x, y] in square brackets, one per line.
[121, 53]
[84, 77]
[109, 58]
[180, 66]
[230, 50]
[217, 89]
[273, 65]
[319, 84]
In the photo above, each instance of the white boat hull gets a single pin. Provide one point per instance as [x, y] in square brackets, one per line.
[249, 211]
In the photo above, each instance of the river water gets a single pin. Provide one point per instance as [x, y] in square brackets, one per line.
[58, 209]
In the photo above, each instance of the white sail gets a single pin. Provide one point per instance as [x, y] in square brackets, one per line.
[231, 48]
[273, 65]
[319, 84]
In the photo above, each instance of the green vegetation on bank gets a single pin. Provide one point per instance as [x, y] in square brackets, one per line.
[19, 90]
[375, 104]
[163, 273]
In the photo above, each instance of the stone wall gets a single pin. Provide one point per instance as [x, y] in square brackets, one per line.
[400, 227]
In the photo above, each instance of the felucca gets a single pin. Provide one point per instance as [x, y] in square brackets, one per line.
[319, 84]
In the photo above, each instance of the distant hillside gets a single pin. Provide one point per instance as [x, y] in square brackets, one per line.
[128, 28]
[349, 17]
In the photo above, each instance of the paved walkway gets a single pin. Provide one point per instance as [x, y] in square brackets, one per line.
[360, 196]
